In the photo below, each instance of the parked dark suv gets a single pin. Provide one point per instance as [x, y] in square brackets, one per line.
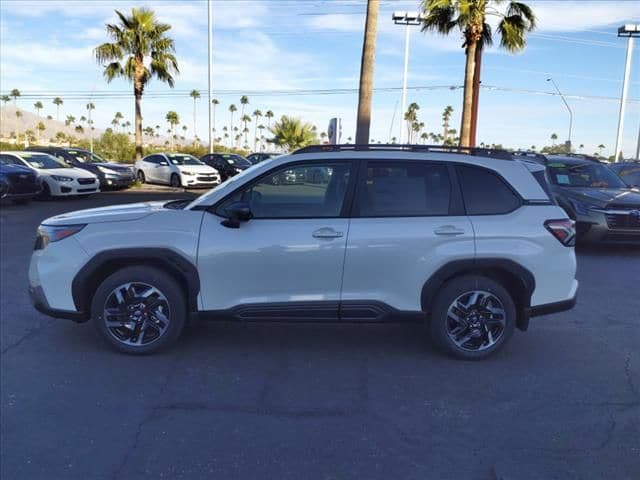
[18, 184]
[227, 164]
[111, 175]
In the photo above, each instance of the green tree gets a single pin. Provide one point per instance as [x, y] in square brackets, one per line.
[38, 106]
[581, 147]
[195, 94]
[117, 120]
[15, 93]
[115, 147]
[57, 102]
[269, 115]
[70, 120]
[79, 129]
[214, 102]
[5, 99]
[245, 119]
[470, 17]
[291, 133]
[39, 129]
[244, 101]
[367, 63]
[137, 38]
[232, 108]
[424, 136]
[173, 119]
[600, 148]
[554, 137]
[446, 119]
[410, 117]
[256, 114]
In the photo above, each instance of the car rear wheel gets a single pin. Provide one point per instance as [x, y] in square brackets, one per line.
[141, 177]
[472, 317]
[139, 310]
[175, 180]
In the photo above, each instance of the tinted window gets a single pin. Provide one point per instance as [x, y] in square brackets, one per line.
[587, 174]
[485, 193]
[9, 160]
[631, 175]
[303, 191]
[404, 190]
[152, 159]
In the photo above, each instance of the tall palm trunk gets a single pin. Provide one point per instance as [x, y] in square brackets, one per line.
[467, 104]
[476, 96]
[137, 92]
[194, 121]
[57, 113]
[366, 73]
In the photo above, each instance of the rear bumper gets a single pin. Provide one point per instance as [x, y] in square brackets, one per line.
[550, 308]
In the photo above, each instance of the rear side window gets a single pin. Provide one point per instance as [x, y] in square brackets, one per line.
[485, 193]
[404, 190]
[541, 178]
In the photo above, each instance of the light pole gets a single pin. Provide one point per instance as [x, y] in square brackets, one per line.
[210, 69]
[407, 19]
[568, 108]
[629, 31]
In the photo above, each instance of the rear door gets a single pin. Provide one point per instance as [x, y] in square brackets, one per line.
[407, 222]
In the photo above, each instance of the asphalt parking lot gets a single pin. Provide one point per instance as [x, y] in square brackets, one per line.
[319, 401]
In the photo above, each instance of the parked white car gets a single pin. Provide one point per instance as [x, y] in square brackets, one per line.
[470, 244]
[56, 178]
[177, 170]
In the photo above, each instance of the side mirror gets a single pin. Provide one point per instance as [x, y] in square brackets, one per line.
[163, 163]
[238, 212]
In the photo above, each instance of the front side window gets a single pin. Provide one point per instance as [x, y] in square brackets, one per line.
[485, 193]
[404, 190]
[303, 191]
[594, 175]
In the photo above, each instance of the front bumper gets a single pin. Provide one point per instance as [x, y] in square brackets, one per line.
[39, 301]
[202, 182]
[64, 189]
[112, 181]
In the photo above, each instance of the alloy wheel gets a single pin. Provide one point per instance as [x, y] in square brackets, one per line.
[476, 320]
[136, 314]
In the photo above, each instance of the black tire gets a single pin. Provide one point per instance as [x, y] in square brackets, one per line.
[46, 191]
[141, 178]
[440, 323]
[175, 180]
[150, 276]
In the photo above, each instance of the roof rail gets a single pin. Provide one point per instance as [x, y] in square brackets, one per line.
[480, 152]
[536, 156]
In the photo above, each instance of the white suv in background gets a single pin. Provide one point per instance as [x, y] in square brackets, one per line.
[56, 178]
[177, 170]
[472, 244]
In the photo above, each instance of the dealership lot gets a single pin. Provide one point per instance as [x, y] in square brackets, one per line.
[319, 401]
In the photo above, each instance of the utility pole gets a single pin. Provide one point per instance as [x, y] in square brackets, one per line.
[210, 70]
[407, 19]
[568, 108]
[629, 31]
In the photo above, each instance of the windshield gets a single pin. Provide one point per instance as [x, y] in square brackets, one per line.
[236, 160]
[43, 161]
[86, 157]
[184, 159]
[593, 175]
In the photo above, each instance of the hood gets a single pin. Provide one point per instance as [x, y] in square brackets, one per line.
[116, 167]
[604, 197]
[116, 213]
[66, 172]
[197, 168]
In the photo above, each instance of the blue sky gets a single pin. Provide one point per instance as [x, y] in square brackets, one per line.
[46, 47]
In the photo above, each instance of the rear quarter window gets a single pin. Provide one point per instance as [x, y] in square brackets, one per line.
[485, 192]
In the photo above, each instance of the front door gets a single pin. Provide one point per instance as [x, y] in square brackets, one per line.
[286, 262]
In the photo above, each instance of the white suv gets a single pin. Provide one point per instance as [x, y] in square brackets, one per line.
[177, 170]
[470, 243]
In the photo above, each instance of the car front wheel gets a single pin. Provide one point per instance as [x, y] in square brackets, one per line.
[141, 177]
[472, 317]
[175, 180]
[139, 310]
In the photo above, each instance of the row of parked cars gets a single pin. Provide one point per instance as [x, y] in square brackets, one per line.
[57, 171]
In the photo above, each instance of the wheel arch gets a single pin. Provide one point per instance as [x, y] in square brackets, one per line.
[107, 262]
[518, 280]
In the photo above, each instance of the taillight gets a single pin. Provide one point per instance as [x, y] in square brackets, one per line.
[564, 230]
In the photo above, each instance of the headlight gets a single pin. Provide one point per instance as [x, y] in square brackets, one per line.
[107, 171]
[48, 234]
[187, 173]
[581, 208]
[59, 178]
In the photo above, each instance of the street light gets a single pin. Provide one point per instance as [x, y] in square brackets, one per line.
[407, 19]
[629, 31]
[210, 69]
[566, 105]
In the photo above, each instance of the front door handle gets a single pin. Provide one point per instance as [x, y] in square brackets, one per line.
[326, 232]
[448, 230]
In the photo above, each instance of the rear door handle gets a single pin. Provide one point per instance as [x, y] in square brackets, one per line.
[448, 230]
[326, 232]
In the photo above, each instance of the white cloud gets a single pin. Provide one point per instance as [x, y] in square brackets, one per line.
[570, 16]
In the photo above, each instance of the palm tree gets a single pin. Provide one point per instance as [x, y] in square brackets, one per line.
[90, 106]
[57, 102]
[18, 116]
[38, 106]
[411, 116]
[291, 133]
[244, 101]
[70, 120]
[184, 129]
[581, 147]
[214, 102]
[446, 119]
[256, 114]
[232, 108]
[79, 129]
[470, 17]
[261, 128]
[245, 119]
[533, 148]
[269, 116]
[195, 94]
[39, 129]
[126, 126]
[173, 119]
[6, 99]
[600, 148]
[366, 72]
[15, 93]
[116, 119]
[138, 37]
[554, 137]
[349, 139]
[424, 137]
